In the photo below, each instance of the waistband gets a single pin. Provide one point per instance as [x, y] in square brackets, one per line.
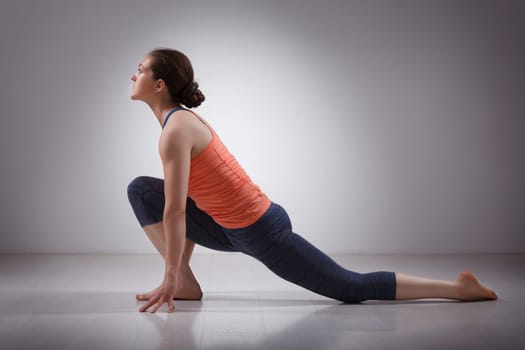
[274, 218]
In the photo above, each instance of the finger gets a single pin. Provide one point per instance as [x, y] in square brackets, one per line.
[159, 303]
[145, 296]
[171, 306]
[151, 302]
[156, 307]
[148, 295]
[144, 308]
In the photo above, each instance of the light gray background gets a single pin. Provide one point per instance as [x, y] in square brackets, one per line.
[381, 126]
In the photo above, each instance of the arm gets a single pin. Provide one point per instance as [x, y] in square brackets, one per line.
[175, 151]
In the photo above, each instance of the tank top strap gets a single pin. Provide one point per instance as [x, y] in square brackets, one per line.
[169, 114]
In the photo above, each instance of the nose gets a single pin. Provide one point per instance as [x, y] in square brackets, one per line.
[133, 77]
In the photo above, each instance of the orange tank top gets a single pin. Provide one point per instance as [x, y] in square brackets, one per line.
[221, 188]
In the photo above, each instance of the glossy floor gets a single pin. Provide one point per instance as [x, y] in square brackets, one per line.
[88, 302]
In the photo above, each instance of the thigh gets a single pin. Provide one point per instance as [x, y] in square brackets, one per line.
[146, 194]
[290, 256]
[203, 230]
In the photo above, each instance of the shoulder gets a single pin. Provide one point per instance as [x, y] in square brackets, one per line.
[181, 119]
[177, 135]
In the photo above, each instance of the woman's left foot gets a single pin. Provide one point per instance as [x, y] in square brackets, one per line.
[470, 289]
[188, 288]
[188, 292]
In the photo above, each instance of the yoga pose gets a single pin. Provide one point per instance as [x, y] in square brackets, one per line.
[207, 198]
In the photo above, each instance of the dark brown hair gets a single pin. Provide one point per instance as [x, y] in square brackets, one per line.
[175, 69]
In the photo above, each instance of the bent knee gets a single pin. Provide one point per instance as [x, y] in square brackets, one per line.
[137, 183]
[145, 183]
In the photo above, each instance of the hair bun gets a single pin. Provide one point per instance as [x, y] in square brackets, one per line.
[191, 96]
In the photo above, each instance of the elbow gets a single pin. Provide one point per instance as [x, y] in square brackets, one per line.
[169, 212]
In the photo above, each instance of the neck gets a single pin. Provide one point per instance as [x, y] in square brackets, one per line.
[161, 110]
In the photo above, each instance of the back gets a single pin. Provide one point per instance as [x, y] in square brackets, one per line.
[220, 187]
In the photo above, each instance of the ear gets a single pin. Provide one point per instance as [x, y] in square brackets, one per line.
[159, 85]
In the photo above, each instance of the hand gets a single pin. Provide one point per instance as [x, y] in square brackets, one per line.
[160, 295]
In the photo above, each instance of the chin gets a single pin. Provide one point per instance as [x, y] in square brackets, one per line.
[136, 97]
[133, 94]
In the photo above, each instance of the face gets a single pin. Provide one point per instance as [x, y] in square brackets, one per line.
[143, 83]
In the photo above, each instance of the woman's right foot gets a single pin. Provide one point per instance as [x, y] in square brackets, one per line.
[470, 289]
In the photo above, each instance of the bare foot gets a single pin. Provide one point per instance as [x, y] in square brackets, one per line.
[470, 289]
[188, 288]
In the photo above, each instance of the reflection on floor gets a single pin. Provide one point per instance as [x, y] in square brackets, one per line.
[79, 301]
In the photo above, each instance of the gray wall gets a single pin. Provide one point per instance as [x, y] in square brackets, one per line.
[381, 126]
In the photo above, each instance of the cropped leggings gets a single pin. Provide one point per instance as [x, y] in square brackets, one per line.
[271, 241]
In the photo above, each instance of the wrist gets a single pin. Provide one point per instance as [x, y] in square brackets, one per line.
[171, 270]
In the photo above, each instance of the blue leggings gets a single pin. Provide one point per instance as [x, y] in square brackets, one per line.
[271, 241]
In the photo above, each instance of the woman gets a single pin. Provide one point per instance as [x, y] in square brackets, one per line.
[207, 198]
